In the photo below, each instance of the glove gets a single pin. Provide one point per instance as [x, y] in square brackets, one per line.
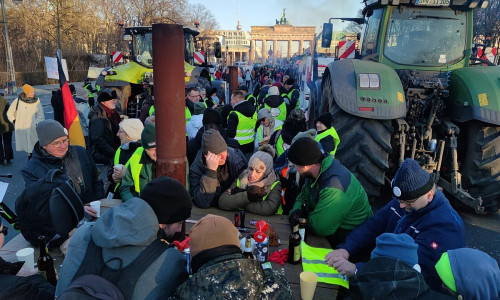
[279, 256]
[255, 193]
[294, 218]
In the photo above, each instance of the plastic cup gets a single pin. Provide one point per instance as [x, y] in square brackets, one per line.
[118, 167]
[97, 206]
[308, 281]
[28, 256]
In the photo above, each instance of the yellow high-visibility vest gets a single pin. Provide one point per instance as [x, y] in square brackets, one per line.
[245, 128]
[332, 132]
[279, 113]
[135, 167]
[313, 259]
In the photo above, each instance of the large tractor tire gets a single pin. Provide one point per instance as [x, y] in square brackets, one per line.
[365, 144]
[481, 163]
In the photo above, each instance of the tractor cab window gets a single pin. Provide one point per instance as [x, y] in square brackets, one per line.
[143, 49]
[425, 37]
[371, 31]
[189, 48]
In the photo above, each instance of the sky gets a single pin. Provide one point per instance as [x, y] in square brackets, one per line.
[265, 12]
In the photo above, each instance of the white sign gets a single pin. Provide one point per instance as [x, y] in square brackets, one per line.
[3, 190]
[51, 66]
[94, 72]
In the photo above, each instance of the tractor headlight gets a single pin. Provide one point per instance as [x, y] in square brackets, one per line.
[369, 81]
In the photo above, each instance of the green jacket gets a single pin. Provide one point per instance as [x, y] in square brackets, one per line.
[234, 277]
[334, 200]
[268, 206]
[127, 187]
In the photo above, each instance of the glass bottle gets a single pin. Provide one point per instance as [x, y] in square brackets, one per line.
[294, 246]
[247, 250]
[302, 228]
[46, 263]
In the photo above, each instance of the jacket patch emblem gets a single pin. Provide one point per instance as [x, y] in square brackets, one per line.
[434, 245]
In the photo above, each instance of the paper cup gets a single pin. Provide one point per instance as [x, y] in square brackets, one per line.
[308, 281]
[28, 256]
[118, 167]
[97, 206]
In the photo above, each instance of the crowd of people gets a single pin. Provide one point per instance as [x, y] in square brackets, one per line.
[251, 152]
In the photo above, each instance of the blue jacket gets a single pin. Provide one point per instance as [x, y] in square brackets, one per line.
[436, 228]
[88, 184]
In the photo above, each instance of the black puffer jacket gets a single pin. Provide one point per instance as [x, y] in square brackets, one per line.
[102, 135]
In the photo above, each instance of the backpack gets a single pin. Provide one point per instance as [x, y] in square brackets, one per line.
[49, 207]
[95, 280]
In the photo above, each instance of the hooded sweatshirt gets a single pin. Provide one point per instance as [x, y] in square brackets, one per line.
[124, 231]
[477, 276]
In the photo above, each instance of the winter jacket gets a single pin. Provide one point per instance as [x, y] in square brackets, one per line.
[277, 106]
[293, 96]
[436, 228]
[206, 185]
[234, 277]
[29, 113]
[194, 125]
[83, 109]
[238, 199]
[13, 287]
[146, 106]
[248, 110]
[102, 135]
[194, 145]
[5, 124]
[123, 232]
[58, 106]
[147, 173]
[334, 200]
[77, 164]
[384, 278]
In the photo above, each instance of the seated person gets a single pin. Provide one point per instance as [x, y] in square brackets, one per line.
[418, 209]
[334, 201]
[18, 283]
[469, 274]
[53, 151]
[215, 247]
[141, 167]
[214, 169]
[392, 272]
[258, 189]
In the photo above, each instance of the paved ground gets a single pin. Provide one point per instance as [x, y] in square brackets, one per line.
[482, 231]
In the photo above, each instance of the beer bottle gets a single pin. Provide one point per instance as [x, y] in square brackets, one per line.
[302, 228]
[247, 250]
[46, 263]
[294, 246]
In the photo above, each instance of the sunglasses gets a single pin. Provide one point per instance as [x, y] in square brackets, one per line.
[4, 230]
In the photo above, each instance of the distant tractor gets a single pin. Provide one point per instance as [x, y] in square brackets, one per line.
[133, 81]
[414, 92]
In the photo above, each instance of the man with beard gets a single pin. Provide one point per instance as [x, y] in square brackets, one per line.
[333, 199]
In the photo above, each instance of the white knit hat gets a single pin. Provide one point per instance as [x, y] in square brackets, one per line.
[133, 128]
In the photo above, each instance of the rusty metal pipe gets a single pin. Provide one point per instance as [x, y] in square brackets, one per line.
[168, 74]
[233, 79]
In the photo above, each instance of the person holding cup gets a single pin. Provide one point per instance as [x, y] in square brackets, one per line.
[129, 133]
[53, 151]
[17, 282]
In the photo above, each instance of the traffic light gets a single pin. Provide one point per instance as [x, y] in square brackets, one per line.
[218, 52]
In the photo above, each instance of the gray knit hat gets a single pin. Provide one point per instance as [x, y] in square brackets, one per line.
[411, 181]
[263, 159]
[133, 128]
[264, 113]
[212, 141]
[48, 131]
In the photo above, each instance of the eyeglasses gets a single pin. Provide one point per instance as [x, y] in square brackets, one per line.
[4, 230]
[193, 96]
[407, 202]
[59, 143]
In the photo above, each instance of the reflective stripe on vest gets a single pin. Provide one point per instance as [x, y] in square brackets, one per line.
[333, 133]
[135, 167]
[279, 113]
[263, 198]
[245, 128]
[313, 259]
[151, 110]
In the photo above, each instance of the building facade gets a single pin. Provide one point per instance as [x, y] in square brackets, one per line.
[235, 44]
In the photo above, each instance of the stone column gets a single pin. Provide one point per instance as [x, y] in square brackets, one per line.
[301, 47]
[289, 49]
[263, 51]
[275, 46]
[252, 51]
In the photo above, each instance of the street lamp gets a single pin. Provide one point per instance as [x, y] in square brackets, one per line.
[11, 73]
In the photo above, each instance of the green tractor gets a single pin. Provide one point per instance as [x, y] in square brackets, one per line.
[416, 90]
[133, 81]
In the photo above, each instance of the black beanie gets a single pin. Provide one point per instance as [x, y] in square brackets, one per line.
[304, 152]
[289, 131]
[211, 116]
[106, 95]
[169, 200]
[212, 91]
[243, 88]
[326, 119]
[411, 181]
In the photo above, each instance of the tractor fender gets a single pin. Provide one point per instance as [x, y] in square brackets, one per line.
[384, 102]
[130, 72]
[475, 94]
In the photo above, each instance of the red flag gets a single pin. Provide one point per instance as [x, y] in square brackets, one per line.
[71, 120]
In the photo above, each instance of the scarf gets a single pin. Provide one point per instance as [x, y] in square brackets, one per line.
[112, 116]
[27, 100]
[266, 181]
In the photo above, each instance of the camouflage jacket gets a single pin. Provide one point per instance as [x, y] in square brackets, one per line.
[234, 277]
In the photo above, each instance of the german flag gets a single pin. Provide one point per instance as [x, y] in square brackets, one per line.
[71, 120]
